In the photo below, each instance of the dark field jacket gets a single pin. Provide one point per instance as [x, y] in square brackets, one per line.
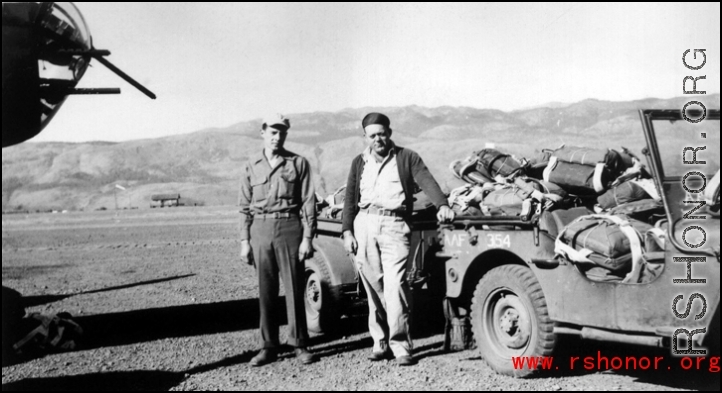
[411, 169]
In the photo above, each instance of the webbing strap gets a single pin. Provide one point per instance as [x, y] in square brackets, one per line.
[659, 236]
[582, 256]
[649, 187]
[550, 168]
[599, 177]
[463, 195]
[635, 243]
[574, 255]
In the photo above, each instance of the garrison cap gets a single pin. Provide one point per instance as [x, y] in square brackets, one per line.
[376, 118]
[276, 119]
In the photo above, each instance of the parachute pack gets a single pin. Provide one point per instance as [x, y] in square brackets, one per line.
[599, 205]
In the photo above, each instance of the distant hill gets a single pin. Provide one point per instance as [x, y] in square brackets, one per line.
[204, 166]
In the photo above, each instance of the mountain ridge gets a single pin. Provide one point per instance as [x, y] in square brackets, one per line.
[204, 165]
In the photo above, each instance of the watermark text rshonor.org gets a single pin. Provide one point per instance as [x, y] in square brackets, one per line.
[698, 204]
[600, 362]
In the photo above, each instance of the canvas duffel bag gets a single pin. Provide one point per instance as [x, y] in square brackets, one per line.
[540, 190]
[513, 199]
[534, 167]
[553, 222]
[624, 193]
[513, 194]
[493, 163]
[591, 157]
[610, 242]
[584, 171]
[578, 179]
[467, 171]
[646, 210]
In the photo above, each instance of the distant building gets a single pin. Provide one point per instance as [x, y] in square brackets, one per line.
[165, 200]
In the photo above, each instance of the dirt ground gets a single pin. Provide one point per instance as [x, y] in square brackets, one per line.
[166, 306]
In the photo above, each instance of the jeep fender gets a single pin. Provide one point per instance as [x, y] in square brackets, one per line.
[340, 265]
[463, 276]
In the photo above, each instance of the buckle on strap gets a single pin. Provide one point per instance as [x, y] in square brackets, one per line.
[383, 212]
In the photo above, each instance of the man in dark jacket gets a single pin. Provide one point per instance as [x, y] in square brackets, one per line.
[378, 204]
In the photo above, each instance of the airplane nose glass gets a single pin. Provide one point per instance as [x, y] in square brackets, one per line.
[47, 48]
[67, 21]
[63, 31]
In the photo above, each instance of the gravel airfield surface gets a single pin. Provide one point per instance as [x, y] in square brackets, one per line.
[166, 305]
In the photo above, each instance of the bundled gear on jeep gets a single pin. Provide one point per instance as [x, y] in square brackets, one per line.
[560, 178]
[621, 194]
[492, 163]
[334, 204]
[611, 242]
[606, 247]
[585, 171]
[519, 197]
[614, 247]
[468, 171]
[466, 200]
[647, 210]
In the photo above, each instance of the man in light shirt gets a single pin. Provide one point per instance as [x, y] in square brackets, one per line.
[378, 205]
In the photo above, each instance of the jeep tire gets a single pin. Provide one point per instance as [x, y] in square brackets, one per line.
[321, 299]
[510, 319]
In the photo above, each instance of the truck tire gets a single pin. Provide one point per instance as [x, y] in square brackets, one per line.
[322, 300]
[510, 319]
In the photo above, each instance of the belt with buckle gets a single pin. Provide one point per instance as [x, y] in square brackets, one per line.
[275, 216]
[384, 212]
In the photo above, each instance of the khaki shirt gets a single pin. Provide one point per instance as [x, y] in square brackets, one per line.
[381, 183]
[285, 188]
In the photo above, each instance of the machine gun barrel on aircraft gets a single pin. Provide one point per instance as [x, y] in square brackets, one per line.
[46, 47]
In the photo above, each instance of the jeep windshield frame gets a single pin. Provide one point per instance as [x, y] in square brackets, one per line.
[669, 178]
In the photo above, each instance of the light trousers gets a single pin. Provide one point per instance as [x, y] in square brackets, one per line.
[383, 252]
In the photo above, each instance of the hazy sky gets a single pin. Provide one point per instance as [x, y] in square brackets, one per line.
[213, 65]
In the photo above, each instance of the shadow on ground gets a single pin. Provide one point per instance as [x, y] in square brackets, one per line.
[33, 301]
[105, 382]
[134, 327]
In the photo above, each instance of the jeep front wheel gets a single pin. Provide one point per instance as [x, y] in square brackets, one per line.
[510, 320]
[321, 300]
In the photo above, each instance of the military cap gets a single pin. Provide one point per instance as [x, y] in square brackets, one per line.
[276, 120]
[376, 118]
